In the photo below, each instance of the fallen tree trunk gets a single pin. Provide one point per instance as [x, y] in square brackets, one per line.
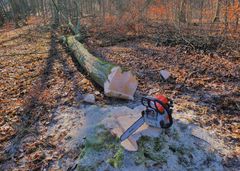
[115, 82]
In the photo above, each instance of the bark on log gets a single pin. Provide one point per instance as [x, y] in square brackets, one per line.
[115, 82]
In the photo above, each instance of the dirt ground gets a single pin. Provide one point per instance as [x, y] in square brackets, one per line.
[38, 75]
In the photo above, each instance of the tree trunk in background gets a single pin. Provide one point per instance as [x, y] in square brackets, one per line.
[33, 6]
[189, 13]
[103, 9]
[15, 12]
[56, 13]
[1, 18]
[115, 82]
[226, 16]
[78, 11]
[237, 16]
[66, 8]
[182, 12]
[100, 3]
[201, 13]
[217, 12]
[119, 8]
[2, 13]
[144, 9]
[42, 8]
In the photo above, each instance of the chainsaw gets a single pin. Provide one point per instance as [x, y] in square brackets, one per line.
[158, 113]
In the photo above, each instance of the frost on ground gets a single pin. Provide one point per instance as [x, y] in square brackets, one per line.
[86, 131]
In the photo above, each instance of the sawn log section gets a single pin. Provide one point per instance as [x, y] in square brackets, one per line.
[115, 82]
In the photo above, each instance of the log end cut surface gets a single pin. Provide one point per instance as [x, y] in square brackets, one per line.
[120, 84]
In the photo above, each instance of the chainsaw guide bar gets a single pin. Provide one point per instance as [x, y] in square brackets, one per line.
[158, 113]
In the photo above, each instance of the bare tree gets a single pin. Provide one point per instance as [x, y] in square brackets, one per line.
[217, 12]
[237, 15]
[227, 3]
[201, 11]
[182, 12]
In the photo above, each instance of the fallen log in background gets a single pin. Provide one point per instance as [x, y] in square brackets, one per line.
[115, 82]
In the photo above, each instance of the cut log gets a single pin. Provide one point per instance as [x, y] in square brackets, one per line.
[115, 82]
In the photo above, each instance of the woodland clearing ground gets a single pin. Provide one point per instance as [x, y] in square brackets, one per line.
[34, 86]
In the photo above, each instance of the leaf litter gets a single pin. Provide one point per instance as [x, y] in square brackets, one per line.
[34, 85]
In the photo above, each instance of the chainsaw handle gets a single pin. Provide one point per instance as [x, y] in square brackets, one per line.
[168, 125]
[146, 101]
[169, 113]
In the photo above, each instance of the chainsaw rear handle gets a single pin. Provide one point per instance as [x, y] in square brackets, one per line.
[152, 103]
[149, 101]
[168, 125]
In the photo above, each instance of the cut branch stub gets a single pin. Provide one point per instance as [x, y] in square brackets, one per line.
[115, 82]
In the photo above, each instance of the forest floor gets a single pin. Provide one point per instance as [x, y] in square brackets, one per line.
[38, 75]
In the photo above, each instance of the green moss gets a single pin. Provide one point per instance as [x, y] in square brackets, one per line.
[102, 142]
[82, 153]
[157, 144]
[84, 168]
[96, 67]
[181, 149]
[117, 160]
[150, 149]
[103, 139]
[140, 158]
[175, 134]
